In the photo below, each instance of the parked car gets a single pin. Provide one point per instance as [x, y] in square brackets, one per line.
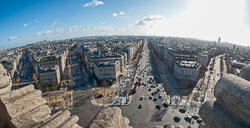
[140, 105]
[141, 98]
[150, 97]
[165, 105]
[158, 89]
[188, 119]
[155, 98]
[158, 107]
[177, 119]
[160, 96]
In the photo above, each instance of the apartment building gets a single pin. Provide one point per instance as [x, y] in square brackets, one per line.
[107, 70]
[49, 76]
[186, 70]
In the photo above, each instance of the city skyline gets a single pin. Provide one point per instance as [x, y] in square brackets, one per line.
[24, 22]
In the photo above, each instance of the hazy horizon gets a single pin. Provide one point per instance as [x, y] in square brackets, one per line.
[26, 22]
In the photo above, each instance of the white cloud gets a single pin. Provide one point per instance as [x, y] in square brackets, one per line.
[12, 38]
[115, 14]
[153, 17]
[149, 19]
[140, 22]
[73, 28]
[208, 19]
[104, 28]
[122, 13]
[42, 33]
[58, 30]
[54, 24]
[93, 3]
[25, 25]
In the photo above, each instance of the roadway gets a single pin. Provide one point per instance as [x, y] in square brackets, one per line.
[149, 116]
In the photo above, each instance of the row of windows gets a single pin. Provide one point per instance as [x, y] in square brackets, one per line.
[47, 75]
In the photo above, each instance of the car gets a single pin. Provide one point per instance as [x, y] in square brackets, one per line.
[150, 97]
[195, 117]
[155, 98]
[145, 85]
[152, 93]
[149, 89]
[158, 89]
[188, 119]
[182, 110]
[140, 105]
[160, 96]
[158, 107]
[142, 75]
[141, 98]
[155, 92]
[199, 121]
[165, 105]
[152, 86]
[156, 85]
[177, 119]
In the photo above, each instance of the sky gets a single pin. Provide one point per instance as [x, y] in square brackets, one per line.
[28, 21]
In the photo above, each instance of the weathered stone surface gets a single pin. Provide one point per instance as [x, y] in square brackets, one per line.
[12, 95]
[110, 117]
[2, 70]
[4, 81]
[70, 122]
[28, 102]
[33, 117]
[57, 121]
[25, 108]
[234, 93]
[169, 126]
[215, 116]
[5, 120]
[76, 126]
[5, 90]
[245, 72]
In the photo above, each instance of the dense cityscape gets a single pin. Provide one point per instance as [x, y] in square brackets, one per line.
[124, 64]
[165, 80]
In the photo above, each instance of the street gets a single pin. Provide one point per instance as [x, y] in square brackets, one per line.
[153, 112]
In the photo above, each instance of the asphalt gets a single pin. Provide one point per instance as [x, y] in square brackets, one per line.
[83, 108]
[148, 116]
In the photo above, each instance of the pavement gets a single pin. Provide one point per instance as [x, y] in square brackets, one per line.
[83, 108]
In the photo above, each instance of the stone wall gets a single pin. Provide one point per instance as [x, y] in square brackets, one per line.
[25, 108]
[231, 108]
[110, 117]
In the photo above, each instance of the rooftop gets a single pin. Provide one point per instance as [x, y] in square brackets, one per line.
[187, 64]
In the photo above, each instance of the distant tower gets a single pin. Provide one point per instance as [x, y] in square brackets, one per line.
[219, 40]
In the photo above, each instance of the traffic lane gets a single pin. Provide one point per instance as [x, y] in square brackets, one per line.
[137, 116]
[142, 117]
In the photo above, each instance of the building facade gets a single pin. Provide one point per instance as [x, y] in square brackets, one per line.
[107, 70]
[49, 76]
[187, 70]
